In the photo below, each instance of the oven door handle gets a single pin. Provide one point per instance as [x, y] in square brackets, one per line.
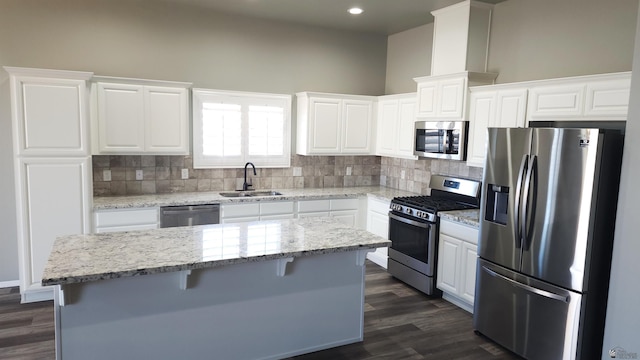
[408, 221]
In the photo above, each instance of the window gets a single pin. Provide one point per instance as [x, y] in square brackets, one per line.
[231, 128]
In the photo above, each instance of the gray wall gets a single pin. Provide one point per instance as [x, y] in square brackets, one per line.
[408, 56]
[623, 313]
[541, 39]
[154, 40]
[138, 38]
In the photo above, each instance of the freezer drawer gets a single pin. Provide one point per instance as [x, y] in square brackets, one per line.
[533, 319]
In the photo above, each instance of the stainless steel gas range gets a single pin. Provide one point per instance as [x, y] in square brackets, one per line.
[414, 228]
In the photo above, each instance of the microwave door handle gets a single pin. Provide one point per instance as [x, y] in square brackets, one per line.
[518, 202]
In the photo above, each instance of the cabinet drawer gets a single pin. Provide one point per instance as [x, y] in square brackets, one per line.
[280, 207]
[240, 210]
[124, 217]
[378, 206]
[314, 205]
[344, 204]
[460, 231]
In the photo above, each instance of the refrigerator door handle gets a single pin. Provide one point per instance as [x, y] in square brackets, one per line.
[524, 215]
[528, 288]
[521, 174]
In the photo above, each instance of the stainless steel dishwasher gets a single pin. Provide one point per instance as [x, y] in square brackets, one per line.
[189, 215]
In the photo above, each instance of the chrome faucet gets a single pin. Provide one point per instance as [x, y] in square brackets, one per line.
[245, 186]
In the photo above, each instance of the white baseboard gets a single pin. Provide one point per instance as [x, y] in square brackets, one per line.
[6, 284]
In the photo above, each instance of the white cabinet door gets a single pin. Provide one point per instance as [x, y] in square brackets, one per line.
[426, 99]
[378, 224]
[608, 98]
[387, 127]
[511, 108]
[53, 200]
[166, 120]
[120, 118]
[126, 219]
[449, 264]
[347, 217]
[469, 253]
[451, 97]
[325, 126]
[406, 131]
[556, 102]
[50, 112]
[482, 110]
[357, 126]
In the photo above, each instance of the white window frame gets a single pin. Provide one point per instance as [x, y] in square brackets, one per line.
[245, 99]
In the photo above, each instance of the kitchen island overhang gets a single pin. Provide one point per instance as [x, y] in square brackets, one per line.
[260, 290]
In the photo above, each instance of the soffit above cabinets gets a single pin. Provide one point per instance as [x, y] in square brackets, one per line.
[380, 16]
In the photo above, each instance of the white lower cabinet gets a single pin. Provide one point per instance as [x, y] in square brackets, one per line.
[345, 210]
[125, 219]
[54, 200]
[378, 223]
[457, 257]
[277, 210]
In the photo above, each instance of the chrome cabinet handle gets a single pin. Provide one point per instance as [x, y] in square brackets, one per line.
[528, 288]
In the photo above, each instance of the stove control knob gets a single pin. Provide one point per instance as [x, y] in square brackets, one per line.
[420, 214]
[409, 211]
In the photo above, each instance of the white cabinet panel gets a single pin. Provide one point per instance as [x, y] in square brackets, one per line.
[55, 194]
[427, 99]
[313, 214]
[405, 134]
[334, 124]
[482, 109]
[387, 127]
[314, 205]
[239, 210]
[511, 108]
[449, 264]
[166, 120]
[357, 126]
[49, 112]
[468, 262]
[325, 120]
[347, 217]
[608, 98]
[549, 102]
[378, 223]
[120, 117]
[343, 204]
[276, 207]
[451, 97]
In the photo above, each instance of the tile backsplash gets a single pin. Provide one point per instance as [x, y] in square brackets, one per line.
[162, 174]
[414, 175]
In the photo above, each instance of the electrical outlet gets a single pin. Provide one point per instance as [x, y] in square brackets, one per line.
[348, 172]
[402, 174]
[139, 175]
[106, 175]
[297, 171]
[185, 174]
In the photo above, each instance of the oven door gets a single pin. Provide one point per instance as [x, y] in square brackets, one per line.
[441, 140]
[413, 242]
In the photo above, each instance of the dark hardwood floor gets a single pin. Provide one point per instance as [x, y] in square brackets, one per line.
[399, 323]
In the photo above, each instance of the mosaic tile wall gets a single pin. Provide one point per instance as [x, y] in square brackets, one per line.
[162, 174]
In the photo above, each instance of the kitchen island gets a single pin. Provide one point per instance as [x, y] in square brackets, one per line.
[260, 290]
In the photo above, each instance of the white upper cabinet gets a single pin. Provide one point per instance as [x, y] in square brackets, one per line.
[592, 97]
[334, 124]
[492, 106]
[140, 117]
[444, 97]
[49, 112]
[395, 130]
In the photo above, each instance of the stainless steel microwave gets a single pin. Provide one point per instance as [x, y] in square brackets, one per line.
[441, 139]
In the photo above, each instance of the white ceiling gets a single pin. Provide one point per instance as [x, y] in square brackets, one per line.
[380, 16]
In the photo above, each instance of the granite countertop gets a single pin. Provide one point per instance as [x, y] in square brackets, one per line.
[197, 198]
[469, 217]
[92, 257]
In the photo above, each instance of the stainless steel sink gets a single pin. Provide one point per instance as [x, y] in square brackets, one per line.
[249, 193]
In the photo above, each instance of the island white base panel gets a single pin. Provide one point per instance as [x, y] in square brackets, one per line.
[240, 311]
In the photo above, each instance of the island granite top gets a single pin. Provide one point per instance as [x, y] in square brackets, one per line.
[197, 198]
[92, 257]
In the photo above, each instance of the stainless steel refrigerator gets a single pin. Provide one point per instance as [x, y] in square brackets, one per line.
[546, 234]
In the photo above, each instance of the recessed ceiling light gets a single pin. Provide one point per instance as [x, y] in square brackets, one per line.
[355, 11]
